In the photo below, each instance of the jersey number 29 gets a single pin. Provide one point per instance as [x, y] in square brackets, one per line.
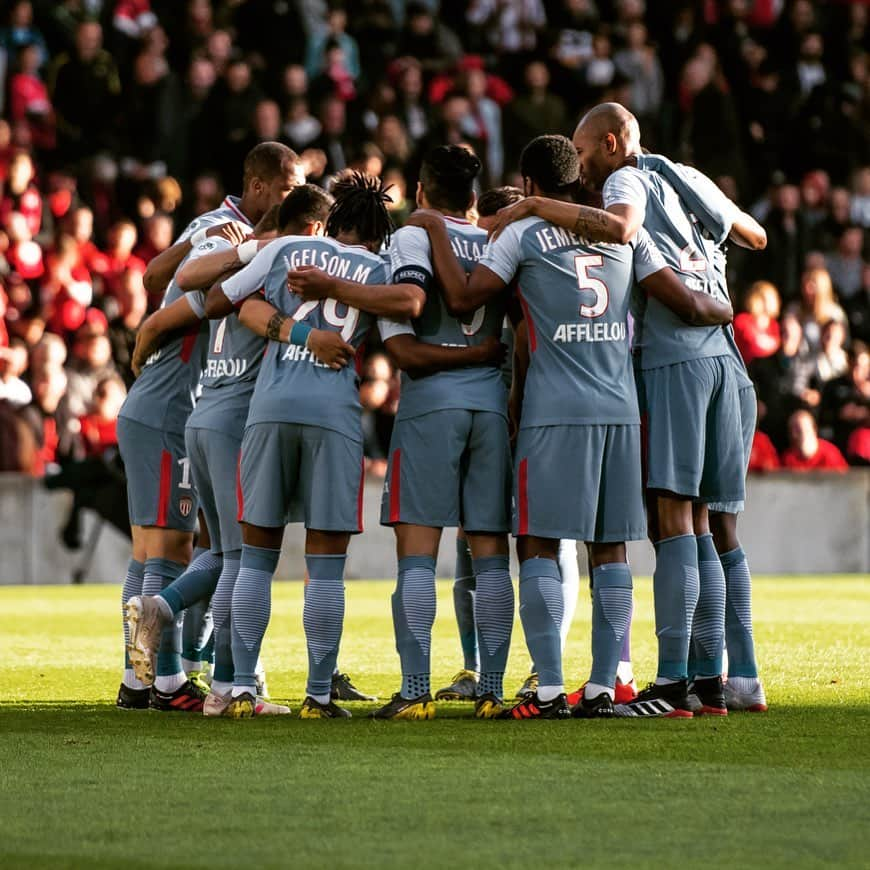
[347, 322]
[582, 264]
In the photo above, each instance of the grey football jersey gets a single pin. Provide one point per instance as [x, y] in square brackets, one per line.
[476, 388]
[575, 297]
[293, 386]
[228, 210]
[660, 335]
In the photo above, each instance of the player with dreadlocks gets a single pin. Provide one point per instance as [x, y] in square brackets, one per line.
[301, 458]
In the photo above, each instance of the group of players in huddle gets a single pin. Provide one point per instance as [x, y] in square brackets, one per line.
[268, 299]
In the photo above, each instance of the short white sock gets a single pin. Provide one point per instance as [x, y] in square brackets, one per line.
[321, 699]
[548, 693]
[130, 680]
[190, 665]
[171, 683]
[744, 685]
[165, 609]
[624, 673]
[219, 688]
[260, 670]
[665, 681]
[244, 690]
[593, 690]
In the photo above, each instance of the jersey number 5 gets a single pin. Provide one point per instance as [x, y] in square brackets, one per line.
[582, 264]
[346, 322]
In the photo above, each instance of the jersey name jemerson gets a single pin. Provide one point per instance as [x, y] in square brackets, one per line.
[332, 264]
[225, 368]
[553, 238]
[295, 353]
[567, 332]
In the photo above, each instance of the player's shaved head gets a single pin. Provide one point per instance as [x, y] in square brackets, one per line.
[271, 171]
[267, 161]
[606, 135]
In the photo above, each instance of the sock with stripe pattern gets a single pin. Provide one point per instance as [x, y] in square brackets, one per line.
[494, 616]
[463, 605]
[323, 619]
[611, 617]
[221, 604]
[541, 608]
[738, 615]
[132, 586]
[413, 615]
[708, 626]
[675, 591]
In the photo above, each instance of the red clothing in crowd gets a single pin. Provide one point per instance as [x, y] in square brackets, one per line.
[98, 434]
[92, 258]
[26, 259]
[858, 446]
[827, 458]
[115, 268]
[763, 456]
[755, 343]
[29, 204]
[48, 452]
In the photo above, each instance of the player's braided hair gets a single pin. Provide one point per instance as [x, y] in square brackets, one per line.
[360, 206]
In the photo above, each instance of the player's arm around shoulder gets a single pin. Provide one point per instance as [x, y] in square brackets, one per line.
[228, 292]
[659, 281]
[419, 359]
[180, 315]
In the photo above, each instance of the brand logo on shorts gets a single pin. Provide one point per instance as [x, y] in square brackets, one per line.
[185, 506]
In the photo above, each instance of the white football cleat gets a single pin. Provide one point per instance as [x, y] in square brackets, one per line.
[746, 694]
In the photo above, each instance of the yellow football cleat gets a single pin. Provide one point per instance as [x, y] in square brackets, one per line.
[488, 707]
[407, 708]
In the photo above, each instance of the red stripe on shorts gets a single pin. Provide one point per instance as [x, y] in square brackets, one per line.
[395, 486]
[523, 497]
[530, 325]
[240, 499]
[165, 486]
[359, 496]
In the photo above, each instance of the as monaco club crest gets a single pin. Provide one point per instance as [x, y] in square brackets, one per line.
[185, 505]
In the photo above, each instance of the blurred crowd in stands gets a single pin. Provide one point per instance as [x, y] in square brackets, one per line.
[123, 119]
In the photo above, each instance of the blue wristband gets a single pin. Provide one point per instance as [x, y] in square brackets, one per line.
[299, 334]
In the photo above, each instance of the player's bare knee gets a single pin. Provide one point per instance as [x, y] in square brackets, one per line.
[412, 540]
[674, 515]
[700, 519]
[262, 536]
[531, 547]
[168, 544]
[606, 554]
[483, 546]
[724, 529]
[203, 539]
[320, 543]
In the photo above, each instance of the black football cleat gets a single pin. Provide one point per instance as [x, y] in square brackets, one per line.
[707, 696]
[132, 699]
[533, 708]
[312, 709]
[406, 708]
[599, 707]
[188, 698]
[668, 701]
[343, 689]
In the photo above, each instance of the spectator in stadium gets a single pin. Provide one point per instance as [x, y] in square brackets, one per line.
[785, 381]
[638, 63]
[787, 242]
[808, 452]
[85, 126]
[860, 208]
[832, 360]
[20, 33]
[845, 265]
[763, 456]
[99, 426]
[333, 32]
[845, 402]
[408, 76]
[28, 98]
[13, 364]
[132, 306]
[431, 43]
[90, 362]
[756, 329]
[22, 195]
[120, 256]
[50, 429]
[157, 236]
[816, 306]
[67, 290]
[379, 396]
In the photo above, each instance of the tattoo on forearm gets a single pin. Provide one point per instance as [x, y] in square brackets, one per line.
[273, 328]
[590, 223]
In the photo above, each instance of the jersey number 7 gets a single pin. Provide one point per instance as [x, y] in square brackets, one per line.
[582, 263]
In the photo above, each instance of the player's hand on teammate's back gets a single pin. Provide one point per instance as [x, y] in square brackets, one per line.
[511, 213]
[309, 283]
[233, 231]
[492, 351]
[330, 348]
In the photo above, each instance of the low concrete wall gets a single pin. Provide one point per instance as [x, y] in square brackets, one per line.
[794, 524]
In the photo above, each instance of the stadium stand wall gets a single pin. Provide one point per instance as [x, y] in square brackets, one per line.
[821, 525]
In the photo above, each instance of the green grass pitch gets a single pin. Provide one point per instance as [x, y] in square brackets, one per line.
[85, 785]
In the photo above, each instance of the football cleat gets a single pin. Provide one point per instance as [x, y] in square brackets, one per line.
[533, 708]
[745, 694]
[529, 687]
[200, 679]
[488, 706]
[218, 705]
[187, 698]
[406, 708]
[146, 620]
[132, 699]
[312, 709]
[622, 693]
[241, 707]
[344, 690]
[706, 697]
[463, 688]
[599, 707]
[669, 701]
